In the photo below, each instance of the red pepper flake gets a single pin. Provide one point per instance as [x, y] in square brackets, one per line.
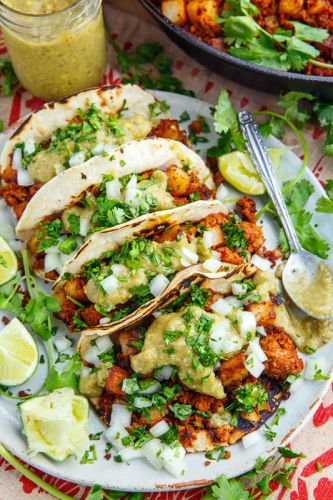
[5, 320]
[107, 456]
[207, 462]
[23, 394]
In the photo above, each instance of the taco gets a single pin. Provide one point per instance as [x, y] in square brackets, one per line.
[202, 372]
[122, 271]
[138, 178]
[70, 131]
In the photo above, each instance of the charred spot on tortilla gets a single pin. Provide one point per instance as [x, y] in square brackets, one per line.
[83, 176]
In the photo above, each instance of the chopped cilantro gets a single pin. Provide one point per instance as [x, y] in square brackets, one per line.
[218, 453]
[181, 411]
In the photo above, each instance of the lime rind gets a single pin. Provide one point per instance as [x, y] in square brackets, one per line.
[56, 424]
[8, 262]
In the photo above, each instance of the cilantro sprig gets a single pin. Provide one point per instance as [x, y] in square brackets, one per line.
[284, 49]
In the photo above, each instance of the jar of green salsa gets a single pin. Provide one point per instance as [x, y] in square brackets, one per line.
[57, 47]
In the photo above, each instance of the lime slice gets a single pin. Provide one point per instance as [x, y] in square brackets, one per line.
[56, 424]
[237, 168]
[8, 262]
[18, 354]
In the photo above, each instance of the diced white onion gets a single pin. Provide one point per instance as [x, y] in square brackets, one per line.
[232, 344]
[84, 226]
[255, 347]
[52, 262]
[110, 284]
[254, 366]
[173, 459]
[29, 147]
[132, 183]
[222, 192]
[7, 231]
[142, 402]
[85, 371]
[260, 329]
[238, 288]
[98, 149]
[212, 265]
[133, 196]
[23, 178]
[189, 255]
[252, 438]
[104, 321]
[53, 249]
[221, 306]
[121, 415]
[76, 158]
[246, 322]
[233, 301]
[217, 335]
[260, 263]
[159, 429]
[154, 387]
[165, 373]
[158, 284]
[152, 451]
[208, 239]
[17, 159]
[115, 433]
[129, 386]
[103, 343]
[91, 355]
[185, 262]
[118, 269]
[295, 386]
[61, 342]
[113, 189]
[316, 365]
[130, 453]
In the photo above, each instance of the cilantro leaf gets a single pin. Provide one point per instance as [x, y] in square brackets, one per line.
[325, 204]
[291, 103]
[36, 314]
[309, 33]
[225, 117]
[96, 493]
[287, 453]
[67, 378]
[225, 489]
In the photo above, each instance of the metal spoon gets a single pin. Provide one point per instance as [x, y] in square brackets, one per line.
[301, 269]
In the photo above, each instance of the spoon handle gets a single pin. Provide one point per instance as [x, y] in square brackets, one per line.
[263, 164]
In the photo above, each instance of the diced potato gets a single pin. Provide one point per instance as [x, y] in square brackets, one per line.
[175, 11]
[290, 7]
[202, 15]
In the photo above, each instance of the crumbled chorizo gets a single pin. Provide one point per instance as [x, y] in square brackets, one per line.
[91, 316]
[169, 129]
[282, 354]
[74, 288]
[263, 311]
[178, 181]
[246, 207]
[253, 235]
[229, 256]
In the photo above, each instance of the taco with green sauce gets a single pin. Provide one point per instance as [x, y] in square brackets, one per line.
[138, 178]
[68, 132]
[198, 374]
[123, 272]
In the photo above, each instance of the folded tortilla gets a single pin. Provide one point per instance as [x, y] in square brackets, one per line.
[207, 430]
[145, 227]
[64, 193]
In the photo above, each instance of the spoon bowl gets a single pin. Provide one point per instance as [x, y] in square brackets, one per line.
[303, 279]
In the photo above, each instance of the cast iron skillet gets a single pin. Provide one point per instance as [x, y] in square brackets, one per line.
[246, 73]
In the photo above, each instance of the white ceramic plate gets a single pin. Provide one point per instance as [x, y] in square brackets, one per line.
[139, 475]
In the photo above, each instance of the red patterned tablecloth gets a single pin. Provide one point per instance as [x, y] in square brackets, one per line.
[316, 439]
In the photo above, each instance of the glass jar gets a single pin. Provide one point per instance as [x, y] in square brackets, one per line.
[55, 52]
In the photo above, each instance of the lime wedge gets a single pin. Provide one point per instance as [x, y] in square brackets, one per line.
[8, 262]
[18, 354]
[56, 424]
[237, 169]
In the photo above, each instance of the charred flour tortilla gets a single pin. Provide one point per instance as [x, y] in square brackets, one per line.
[121, 271]
[70, 131]
[192, 364]
[138, 178]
